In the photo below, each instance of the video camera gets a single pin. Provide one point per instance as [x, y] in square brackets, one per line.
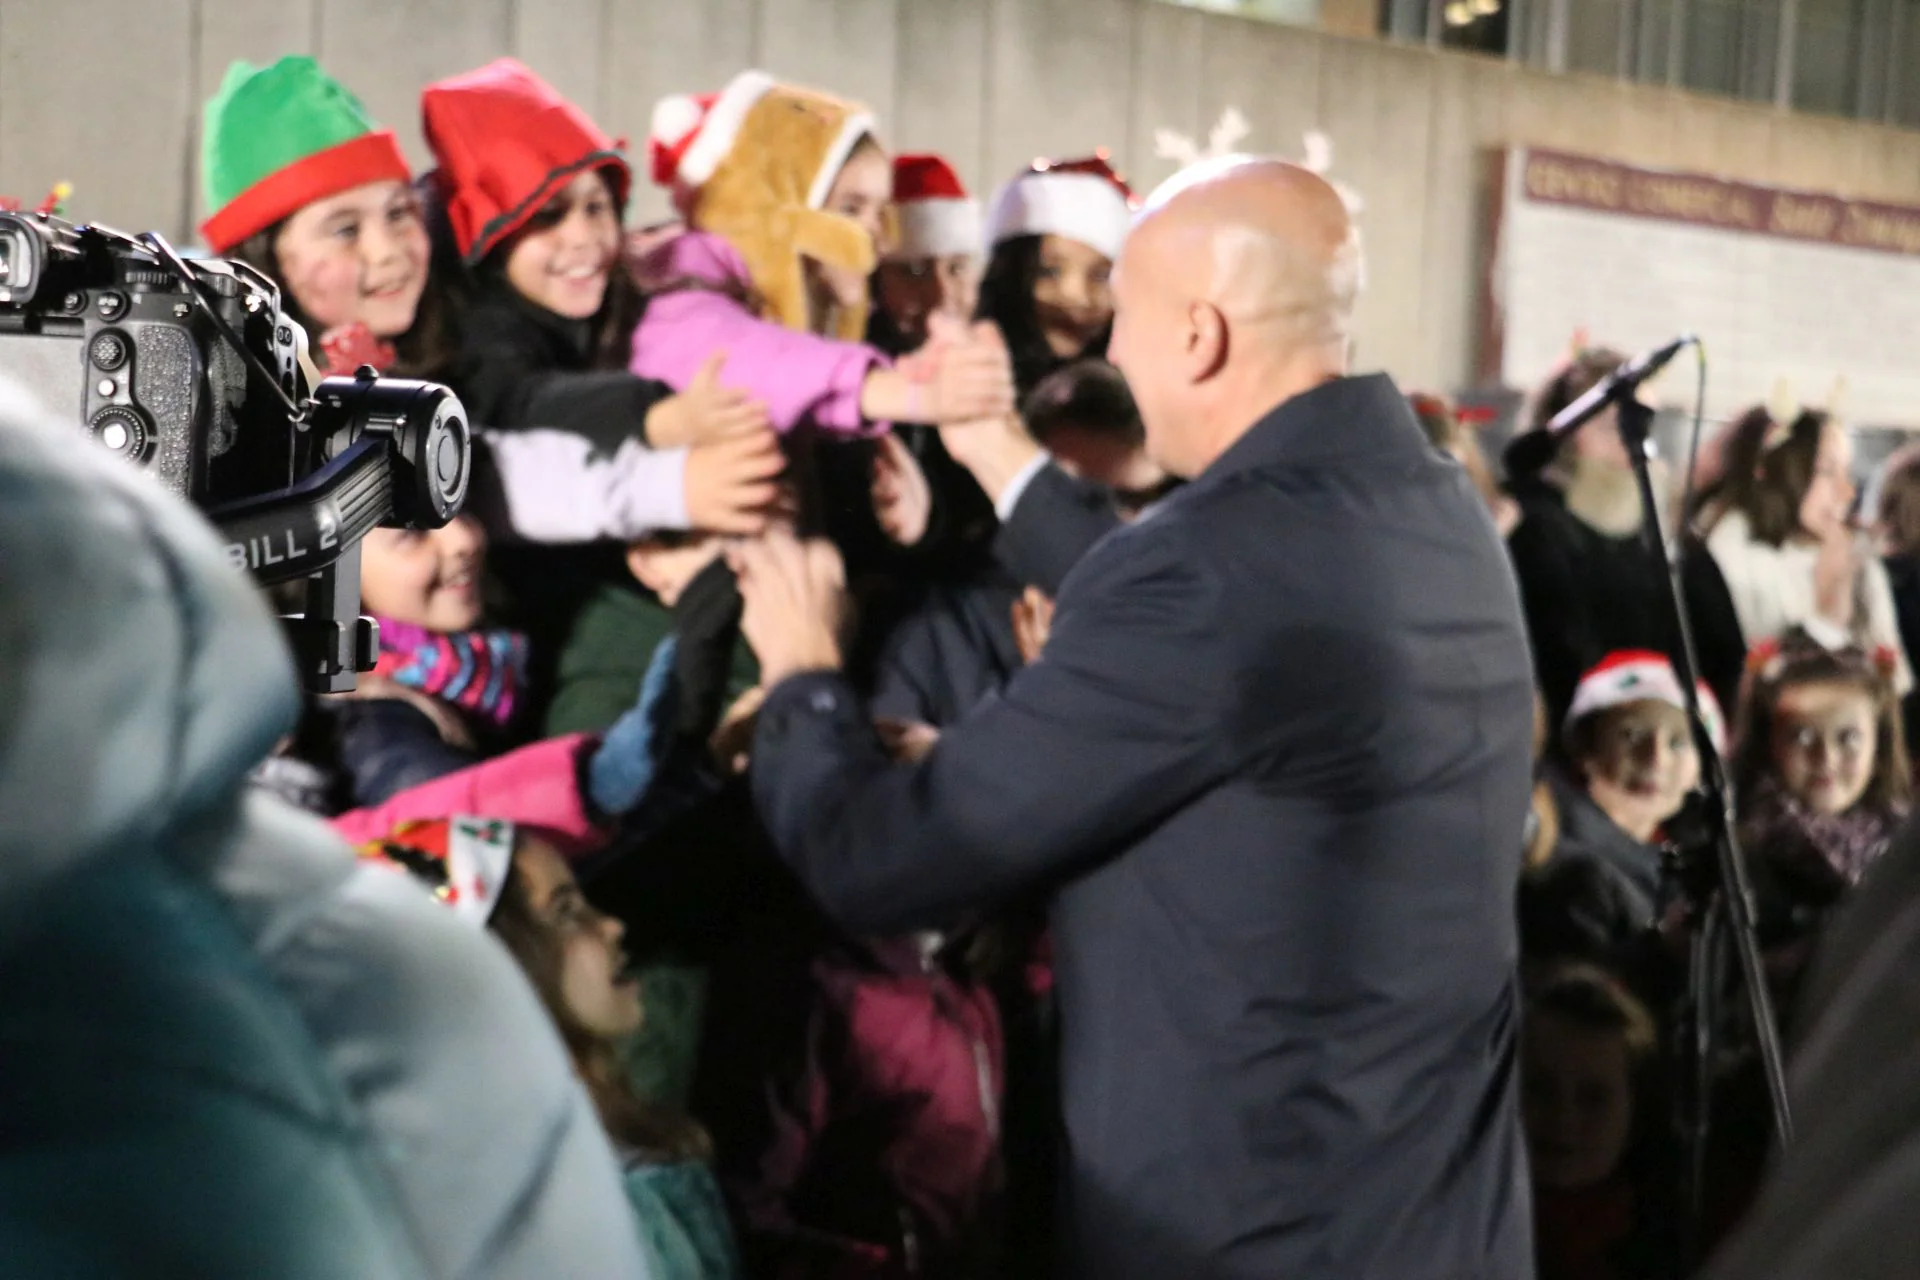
[193, 371]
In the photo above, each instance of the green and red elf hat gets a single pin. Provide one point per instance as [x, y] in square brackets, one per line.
[275, 139]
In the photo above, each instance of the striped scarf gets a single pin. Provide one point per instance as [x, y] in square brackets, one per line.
[480, 671]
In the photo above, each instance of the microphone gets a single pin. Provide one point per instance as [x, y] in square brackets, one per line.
[1530, 451]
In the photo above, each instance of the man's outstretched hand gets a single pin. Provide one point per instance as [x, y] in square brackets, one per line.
[795, 594]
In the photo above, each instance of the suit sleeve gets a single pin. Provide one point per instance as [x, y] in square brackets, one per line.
[1055, 522]
[1115, 727]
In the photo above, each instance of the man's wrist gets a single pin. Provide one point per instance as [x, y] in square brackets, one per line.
[998, 455]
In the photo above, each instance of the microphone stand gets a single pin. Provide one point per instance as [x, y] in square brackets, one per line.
[1722, 893]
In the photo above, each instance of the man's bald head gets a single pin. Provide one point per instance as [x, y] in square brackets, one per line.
[1270, 242]
[1241, 274]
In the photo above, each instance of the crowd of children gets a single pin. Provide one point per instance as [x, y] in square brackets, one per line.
[555, 735]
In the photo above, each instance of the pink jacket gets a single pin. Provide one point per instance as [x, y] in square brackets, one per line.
[802, 378]
[537, 786]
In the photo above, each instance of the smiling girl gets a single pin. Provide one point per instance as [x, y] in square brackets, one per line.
[1056, 231]
[304, 187]
[1822, 777]
[534, 194]
[517, 885]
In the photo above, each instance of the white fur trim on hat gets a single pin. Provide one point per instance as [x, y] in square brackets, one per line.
[674, 117]
[1079, 206]
[1641, 676]
[722, 126]
[857, 126]
[938, 228]
[479, 853]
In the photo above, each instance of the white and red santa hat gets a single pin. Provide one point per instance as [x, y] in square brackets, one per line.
[692, 134]
[1641, 675]
[933, 214]
[1083, 200]
[463, 861]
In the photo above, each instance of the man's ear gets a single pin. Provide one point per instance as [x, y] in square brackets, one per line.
[1206, 341]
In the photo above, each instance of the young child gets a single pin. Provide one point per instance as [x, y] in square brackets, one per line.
[1586, 1051]
[785, 191]
[534, 193]
[304, 188]
[1055, 232]
[1630, 760]
[1786, 543]
[517, 885]
[932, 264]
[1822, 779]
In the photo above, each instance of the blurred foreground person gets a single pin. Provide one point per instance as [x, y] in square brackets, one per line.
[226, 1047]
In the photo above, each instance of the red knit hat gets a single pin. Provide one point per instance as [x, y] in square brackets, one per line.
[935, 216]
[1084, 200]
[507, 143]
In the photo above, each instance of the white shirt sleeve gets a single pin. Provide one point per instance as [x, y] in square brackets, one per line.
[556, 489]
[1010, 496]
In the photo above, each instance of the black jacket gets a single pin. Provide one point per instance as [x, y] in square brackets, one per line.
[523, 366]
[1588, 594]
[1276, 759]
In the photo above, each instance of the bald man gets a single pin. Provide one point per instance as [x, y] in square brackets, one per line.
[1274, 763]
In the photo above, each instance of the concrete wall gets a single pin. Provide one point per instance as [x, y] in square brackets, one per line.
[106, 93]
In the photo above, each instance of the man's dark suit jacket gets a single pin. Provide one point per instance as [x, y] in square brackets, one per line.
[1275, 759]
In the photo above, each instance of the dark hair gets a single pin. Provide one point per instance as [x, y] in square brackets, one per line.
[1580, 376]
[1899, 514]
[1800, 659]
[1780, 475]
[1006, 298]
[430, 347]
[610, 331]
[657, 1133]
[1592, 999]
[1746, 437]
[1088, 394]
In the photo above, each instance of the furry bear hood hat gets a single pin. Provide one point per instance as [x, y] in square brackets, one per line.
[753, 164]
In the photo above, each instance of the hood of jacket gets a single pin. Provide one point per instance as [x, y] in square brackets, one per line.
[141, 676]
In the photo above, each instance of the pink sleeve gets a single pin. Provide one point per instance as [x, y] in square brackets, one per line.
[536, 786]
[800, 377]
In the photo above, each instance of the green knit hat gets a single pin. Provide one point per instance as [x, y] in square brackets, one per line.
[275, 139]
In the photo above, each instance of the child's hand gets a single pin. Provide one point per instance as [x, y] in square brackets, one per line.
[972, 375]
[1032, 622]
[733, 484]
[907, 741]
[902, 500]
[705, 411]
[344, 348]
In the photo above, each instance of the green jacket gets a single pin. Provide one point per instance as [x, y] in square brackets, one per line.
[605, 655]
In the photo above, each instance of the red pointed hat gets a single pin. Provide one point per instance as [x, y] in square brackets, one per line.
[507, 143]
[1082, 199]
[934, 215]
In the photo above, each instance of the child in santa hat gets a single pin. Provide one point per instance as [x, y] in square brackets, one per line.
[1055, 232]
[931, 266]
[514, 884]
[1631, 762]
[785, 192]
